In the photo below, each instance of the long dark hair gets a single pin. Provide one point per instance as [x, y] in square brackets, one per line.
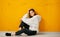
[33, 11]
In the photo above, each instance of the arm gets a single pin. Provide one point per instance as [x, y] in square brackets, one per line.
[25, 16]
[36, 19]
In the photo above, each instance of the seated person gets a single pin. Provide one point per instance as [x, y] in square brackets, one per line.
[29, 25]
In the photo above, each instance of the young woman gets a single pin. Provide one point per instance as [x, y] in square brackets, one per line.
[29, 24]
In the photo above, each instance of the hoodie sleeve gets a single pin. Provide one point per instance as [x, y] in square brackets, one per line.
[36, 18]
[26, 19]
[29, 21]
[25, 16]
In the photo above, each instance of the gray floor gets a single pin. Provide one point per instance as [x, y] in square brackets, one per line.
[41, 34]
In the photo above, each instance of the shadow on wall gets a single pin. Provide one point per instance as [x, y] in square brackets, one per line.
[42, 25]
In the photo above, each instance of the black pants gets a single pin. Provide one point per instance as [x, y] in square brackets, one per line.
[24, 25]
[25, 29]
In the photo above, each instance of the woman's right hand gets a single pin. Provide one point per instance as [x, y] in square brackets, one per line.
[19, 29]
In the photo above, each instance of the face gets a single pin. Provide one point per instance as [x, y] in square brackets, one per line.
[31, 13]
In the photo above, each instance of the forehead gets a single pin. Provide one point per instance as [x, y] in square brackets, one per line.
[31, 11]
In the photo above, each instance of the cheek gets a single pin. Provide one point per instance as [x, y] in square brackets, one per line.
[32, 13]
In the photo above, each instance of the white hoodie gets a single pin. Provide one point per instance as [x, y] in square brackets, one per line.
[32, 22]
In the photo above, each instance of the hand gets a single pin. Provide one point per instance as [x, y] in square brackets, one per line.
[19, 28]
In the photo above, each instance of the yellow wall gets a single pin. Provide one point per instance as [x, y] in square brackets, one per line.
[12, 10]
